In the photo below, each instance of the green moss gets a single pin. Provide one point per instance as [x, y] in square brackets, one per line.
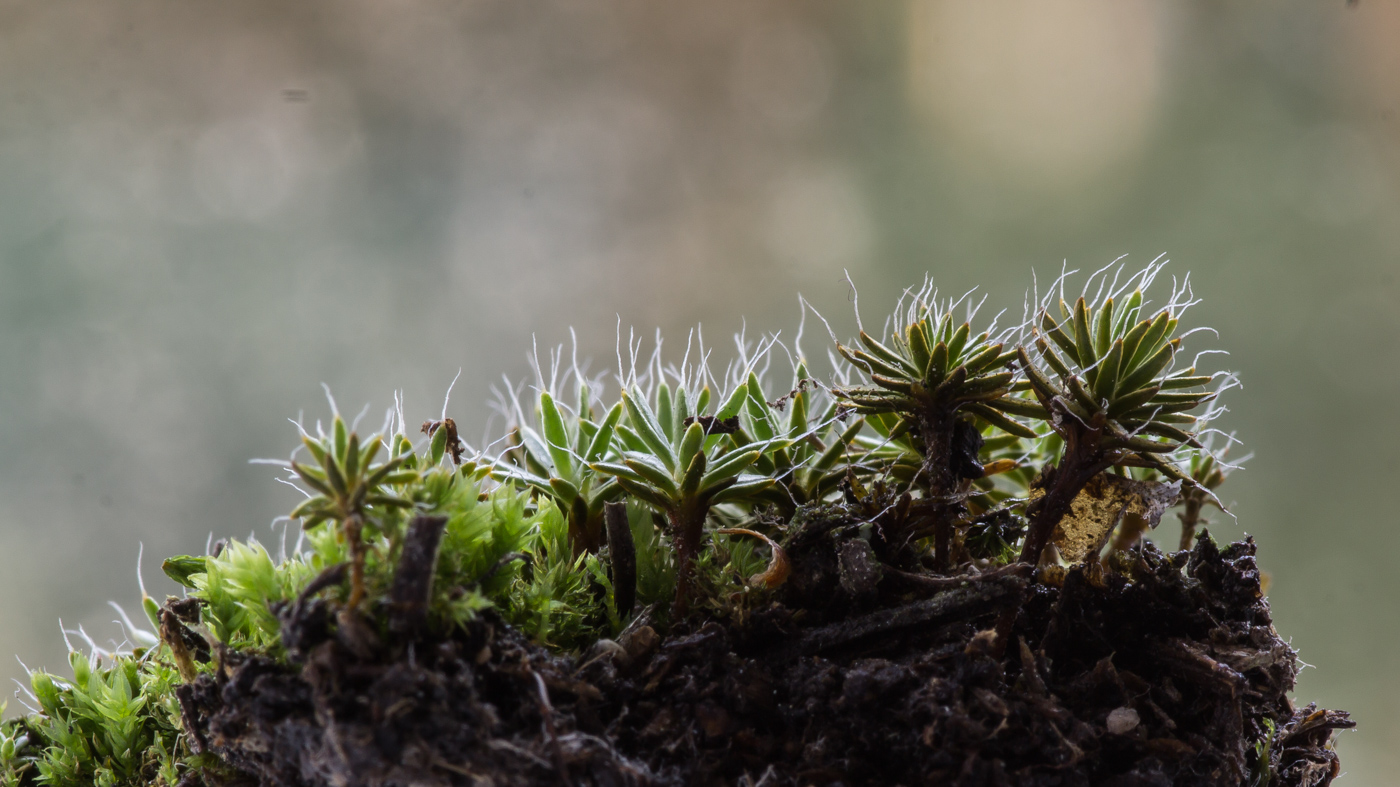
[937, 434]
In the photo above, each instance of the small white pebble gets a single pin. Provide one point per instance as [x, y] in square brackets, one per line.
[1122, 721]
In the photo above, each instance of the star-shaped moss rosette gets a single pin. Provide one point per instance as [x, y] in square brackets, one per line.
[1105, 377]
[816, 437]
[351, 491]
[939, 381]
[675, 460]
[555, 458]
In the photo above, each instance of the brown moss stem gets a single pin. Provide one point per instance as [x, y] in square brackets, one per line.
[936, 432]
[1190, 516]
[687, 528]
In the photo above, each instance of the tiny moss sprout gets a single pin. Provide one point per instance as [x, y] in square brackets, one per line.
[956, 446]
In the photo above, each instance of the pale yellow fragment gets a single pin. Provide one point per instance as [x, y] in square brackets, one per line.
[1104, 501]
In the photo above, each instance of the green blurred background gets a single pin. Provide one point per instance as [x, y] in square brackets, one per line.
[207, 210]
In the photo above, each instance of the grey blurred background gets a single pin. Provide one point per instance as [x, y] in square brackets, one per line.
[207, 210]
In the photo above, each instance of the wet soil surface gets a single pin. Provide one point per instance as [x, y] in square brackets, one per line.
[1164, 672]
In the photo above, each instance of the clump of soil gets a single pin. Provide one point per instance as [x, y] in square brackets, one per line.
[1166, 671]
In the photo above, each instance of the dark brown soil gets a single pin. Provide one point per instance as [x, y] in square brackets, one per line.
[1164, 672]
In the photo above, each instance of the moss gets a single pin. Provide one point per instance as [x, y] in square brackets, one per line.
[948, 448]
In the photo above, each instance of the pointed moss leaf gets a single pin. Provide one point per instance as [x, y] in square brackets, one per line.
[984, 359]
[647, 428]
[1022, 407]
[310, 506]
[1131, 342]
[952, 387]
[352, 458]
[317, 450]
[181, 567]
[680, 411]
[1148, 371]
[437, 447]
[340, 437]
[1131, 401]
[1157, 330]
[937, 364]
[1128, 314]
[869, 363]
[370, 450]
[1107, 378]
[760, 416]
[945, 330]
[645, 493]
[885, 354]
[1082, 395]
[665, 416]
[1083, 339]
[1141, 444]
[797, 413]
[985, 383]
[691, 443]
[1058, 336]
[838, 447]
[999, 420]
[1103, 328]
[1184, 398]
[1053, 360]
[620, 471]
[1160, 411]
[389, 473]
[695, 472]
[566, 492]
[648, 467]
[744, 487]
[733, 403]
[1039, 382]
[556, 436]
[583, 436]
[728, 466]
[312, 479]
[920, 351]
[895, 384]
[388, 501]
[152, 610]
[505, 472]
[631, 441]
[1185, 382]
[1166, 430]
[958, 342]
[45, 692]
[602, 440]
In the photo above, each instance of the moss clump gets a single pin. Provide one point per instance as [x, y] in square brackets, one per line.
[951, 448]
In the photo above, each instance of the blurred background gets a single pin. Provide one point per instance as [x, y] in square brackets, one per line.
[207, 210]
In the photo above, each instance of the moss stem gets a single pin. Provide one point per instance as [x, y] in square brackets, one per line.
[687, 528]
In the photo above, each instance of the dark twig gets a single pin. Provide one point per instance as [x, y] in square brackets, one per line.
[413, 580]
[623, 554]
